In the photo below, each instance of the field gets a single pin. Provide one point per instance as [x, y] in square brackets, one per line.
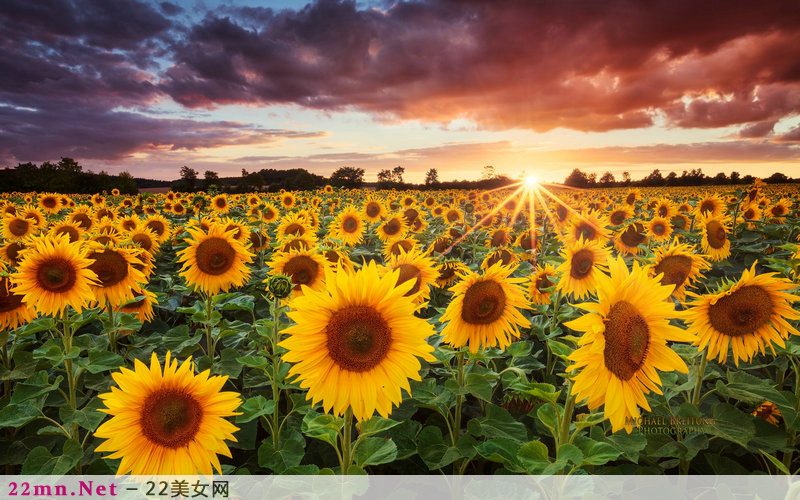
[528, 330]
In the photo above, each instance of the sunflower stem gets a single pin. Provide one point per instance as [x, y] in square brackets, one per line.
[566, 417]
[112, 332]
[347, 458]
[210, 344]
[71, 381]
[699, 376]
[456, 430]
[276, 369]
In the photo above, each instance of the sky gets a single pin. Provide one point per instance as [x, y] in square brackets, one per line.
[530, 87]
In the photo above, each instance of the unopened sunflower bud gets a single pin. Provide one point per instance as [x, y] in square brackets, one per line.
[280, 285]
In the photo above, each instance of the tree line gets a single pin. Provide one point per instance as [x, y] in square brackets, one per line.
[694, 177]
[65, 176]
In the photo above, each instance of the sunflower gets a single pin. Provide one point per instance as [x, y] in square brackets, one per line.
[583, 263]
[633, 196]
[141, 305]
[484, 310]
[241, 232]
[453, 215]
[83, 217]
[779, 209]
[503, 256]
[288, 200]
[678, 265]
[715, 242]
[449, 270]
[748, 315]
[499, 237]
[589, 226]
[627, 240]
[259, 240]
[13, 311]
[440, 245]
[395, 228]
[711, 205]
[356, 341]
[116, 275]
[17, 228]
[214, 261]
[659, 229]
[347, 227]
[169, 422]
[624, 343]
[414, 266]
[269, 213]
[160, 227]
[531, 246]
[220, 204]
[129, 223]
[54, 274]
[751, 214]
[12, 252]
[373, 209]
[104, 212]
[292, 225]
[337, 259]
[664, 209]
[618, 215]
[50, 203]
[395, 248]
[145, 239]
[680, 221]
[541, 281]
[304, 267]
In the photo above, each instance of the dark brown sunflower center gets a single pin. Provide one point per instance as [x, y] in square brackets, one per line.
[663, 210]
[617, 217]
[221, 203]
[585, 230]
[633, 236]
[676, 269]
[543, 281]
[49, 202]
[156, 226]
[358, 338]
[82, 220]
[581, 264]
[392, 227]
[707, 206]
[110, 267]
[561, 212]
[526, 242]
[8, 300]
[269, 213]
[104, 212]
[410, 272]
[627, 339]
[143, 240]
[303, 270]
[679, 222]
[452, 216]
[288, 201]
[295, 228]
[499, 238]
[777, 210]
[484, 303]
[350, 224]
[446, 274]
[215, 256]
[128, 225]
[12, 252]
[400, 246]
[19, 227]
[630, 199]
[659, 229]
[716, 234]
[410, 215]
[56, 275]
[503, 256]
[373, 209]
[258, 240]
[133, 306]
[170, 418]
[742, 312]
[750, 214]
[441, 245]
[332, 256]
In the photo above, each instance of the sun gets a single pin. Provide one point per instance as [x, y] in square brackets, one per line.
[531, 181]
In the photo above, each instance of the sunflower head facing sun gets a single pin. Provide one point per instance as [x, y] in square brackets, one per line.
[54, 274]
[215, 261]
[747, 316]
[584, 262]
[624, 342]
[355, 342]
[485, 309]
[168, 421]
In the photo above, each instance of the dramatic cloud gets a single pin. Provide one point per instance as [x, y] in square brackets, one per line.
[93, 78]
[590, 66]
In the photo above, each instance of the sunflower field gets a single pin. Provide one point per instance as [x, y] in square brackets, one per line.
[527, 330]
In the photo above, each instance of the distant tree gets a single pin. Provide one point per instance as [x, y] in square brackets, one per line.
[671, 179]
[626, 178]
[397, 174]
[776, 178]
[748, 179]
[349, 177]
[577, 179]
[592, 179]
[431, 177]
[210, 178]
[607, 179]
[385, 176]
[655, 178]
[489, 172]
[720, 179]
[126, 183]
[735, 177]
[188, 178]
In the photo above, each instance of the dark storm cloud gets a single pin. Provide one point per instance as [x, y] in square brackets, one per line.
[74, 72]
[586, 65]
